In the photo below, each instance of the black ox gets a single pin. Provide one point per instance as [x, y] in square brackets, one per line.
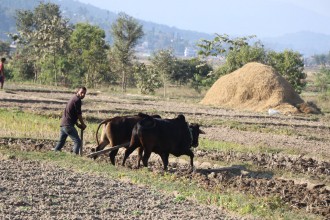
[164, 137]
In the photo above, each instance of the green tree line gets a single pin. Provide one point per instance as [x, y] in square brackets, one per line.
[238, 52]
[50, 50]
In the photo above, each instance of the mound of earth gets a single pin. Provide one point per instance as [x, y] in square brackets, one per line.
[254, 87]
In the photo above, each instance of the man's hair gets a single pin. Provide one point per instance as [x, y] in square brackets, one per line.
[3, 59]
[81, 87]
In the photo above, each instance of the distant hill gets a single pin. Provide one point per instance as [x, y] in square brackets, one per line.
[307, 43]
[157, 36]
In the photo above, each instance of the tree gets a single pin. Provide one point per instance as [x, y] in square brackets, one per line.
[322, 80]
[321, 59]
[200, 72]
[238, 57]
[163, 62]
[126, 32]
[43, 33]
[183, 71]
[221, 45]
[193, 71]
[4, 49]
[88, 54]
[290, 65]
[147, 78]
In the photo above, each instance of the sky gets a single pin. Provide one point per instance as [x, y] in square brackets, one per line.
[264, 18]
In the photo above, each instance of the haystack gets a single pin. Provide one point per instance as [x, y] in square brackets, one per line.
[254, 87]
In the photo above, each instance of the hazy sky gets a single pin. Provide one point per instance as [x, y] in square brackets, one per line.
[265, 18]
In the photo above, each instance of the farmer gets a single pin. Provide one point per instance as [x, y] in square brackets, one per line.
[2, 71]
[72, 113]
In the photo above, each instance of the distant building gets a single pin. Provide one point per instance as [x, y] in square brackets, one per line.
[190, 52]
[13, 47]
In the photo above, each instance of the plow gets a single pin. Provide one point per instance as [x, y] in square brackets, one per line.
[107, 150]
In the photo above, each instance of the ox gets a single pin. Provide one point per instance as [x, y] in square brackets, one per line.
[164, 137]
[116, 131]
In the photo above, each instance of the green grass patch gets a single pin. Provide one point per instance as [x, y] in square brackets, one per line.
[242, 126]
[212, 145]
[224, 146]
[21, 124]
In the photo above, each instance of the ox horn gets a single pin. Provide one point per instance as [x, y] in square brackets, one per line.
[201, 131]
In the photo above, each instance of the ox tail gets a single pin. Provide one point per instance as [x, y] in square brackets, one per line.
[97, 131]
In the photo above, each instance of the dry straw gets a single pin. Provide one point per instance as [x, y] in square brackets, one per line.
[254, 87]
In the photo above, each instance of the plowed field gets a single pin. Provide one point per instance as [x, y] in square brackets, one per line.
[286, 156]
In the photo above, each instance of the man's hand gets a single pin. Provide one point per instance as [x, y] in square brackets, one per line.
[81, 126]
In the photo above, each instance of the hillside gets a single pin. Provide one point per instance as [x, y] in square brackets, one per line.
[307, 43]
[157, 35]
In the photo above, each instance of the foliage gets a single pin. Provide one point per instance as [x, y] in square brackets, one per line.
[22, 68]
[4, 49]
[221, 45]
[88, 55]
[147, 77]
[126, 32]
[186, 69]
[322, 81]
[322, 59]
[199, 74]
[290, 65]
[43, 36]
[238, 57]
[238, 52]
[163, 62]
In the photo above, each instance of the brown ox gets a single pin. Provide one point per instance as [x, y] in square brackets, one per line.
[116, 131]
[164, 137]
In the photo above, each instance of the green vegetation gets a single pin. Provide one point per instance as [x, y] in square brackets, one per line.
[126, 32]
[322, 82]
[50, 51]
[86, 56]
[164, 61]
[238, 52]
[19, 124]
[228, 146]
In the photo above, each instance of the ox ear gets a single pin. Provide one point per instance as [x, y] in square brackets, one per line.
[201, 131]
[181, 117]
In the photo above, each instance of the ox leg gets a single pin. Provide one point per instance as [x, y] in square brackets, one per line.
[112, 156]
[164, 157]
[191, 155]
[100, 147]
[146, 157]
[128, 152]
[139, 156]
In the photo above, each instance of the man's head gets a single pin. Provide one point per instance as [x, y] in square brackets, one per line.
[3, 60]
[81, 92]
